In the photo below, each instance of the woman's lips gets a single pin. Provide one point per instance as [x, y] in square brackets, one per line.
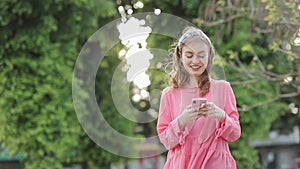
[195, 68]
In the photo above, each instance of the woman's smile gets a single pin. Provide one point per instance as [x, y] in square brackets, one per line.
[195, 67]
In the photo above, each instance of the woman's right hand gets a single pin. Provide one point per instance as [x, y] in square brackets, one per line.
[188, 115]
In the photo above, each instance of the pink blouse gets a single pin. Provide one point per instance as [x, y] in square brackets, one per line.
[204, 143]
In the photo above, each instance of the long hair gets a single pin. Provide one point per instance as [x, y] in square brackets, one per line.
[179, 77]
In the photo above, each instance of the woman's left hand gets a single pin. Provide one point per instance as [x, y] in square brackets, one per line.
[212, 110]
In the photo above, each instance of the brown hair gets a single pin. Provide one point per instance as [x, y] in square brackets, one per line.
[179, 76]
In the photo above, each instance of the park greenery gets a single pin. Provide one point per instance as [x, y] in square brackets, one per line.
[258, 42]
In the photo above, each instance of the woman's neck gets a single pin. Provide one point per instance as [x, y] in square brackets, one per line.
[193, 82]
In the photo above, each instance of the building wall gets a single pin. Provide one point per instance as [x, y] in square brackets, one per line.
[280, 157]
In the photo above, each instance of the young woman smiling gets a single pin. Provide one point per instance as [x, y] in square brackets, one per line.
[197, 136]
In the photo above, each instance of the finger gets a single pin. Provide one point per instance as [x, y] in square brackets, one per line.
[194, 109]
[209, 104]
[204, 109]
[209, 113]
[201, 115]
[188, 107]
[193, 117]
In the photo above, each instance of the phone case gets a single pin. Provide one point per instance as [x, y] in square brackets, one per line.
[198, 102]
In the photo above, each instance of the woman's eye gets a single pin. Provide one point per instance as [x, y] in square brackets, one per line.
[189, 55]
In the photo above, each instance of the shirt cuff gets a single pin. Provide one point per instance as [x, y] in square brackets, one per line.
[222, 125]
[181, 134]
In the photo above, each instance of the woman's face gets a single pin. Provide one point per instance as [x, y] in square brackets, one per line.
[194, 56]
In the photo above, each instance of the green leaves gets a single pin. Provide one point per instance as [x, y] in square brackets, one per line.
[40, 44]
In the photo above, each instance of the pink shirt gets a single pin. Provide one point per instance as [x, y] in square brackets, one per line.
[204, 143]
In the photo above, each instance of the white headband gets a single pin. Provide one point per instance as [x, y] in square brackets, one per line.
[190, 34]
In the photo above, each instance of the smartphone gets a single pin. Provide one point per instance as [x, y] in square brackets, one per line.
[199, 102]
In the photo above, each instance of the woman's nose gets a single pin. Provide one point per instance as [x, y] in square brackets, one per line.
[196, 59]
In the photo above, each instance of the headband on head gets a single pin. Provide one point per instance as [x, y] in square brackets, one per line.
[191, 34]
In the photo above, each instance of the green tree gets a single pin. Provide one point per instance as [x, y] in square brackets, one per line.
[40, 41]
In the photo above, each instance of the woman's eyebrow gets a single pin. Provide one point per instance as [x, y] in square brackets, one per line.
[200, 52]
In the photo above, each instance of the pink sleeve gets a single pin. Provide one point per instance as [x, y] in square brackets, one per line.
[168, 129]
[230, 129]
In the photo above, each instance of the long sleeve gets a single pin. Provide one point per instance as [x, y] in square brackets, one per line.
[168, 128]
[230, 129]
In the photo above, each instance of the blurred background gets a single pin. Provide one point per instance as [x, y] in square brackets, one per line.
[258, 42]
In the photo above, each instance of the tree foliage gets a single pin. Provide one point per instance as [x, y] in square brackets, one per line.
[40, 41]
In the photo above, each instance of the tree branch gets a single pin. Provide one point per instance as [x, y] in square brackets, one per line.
[289, 53]
[222, 21]
[269, 101]
[244, 82]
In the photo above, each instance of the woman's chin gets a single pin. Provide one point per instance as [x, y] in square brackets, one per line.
[196, 75]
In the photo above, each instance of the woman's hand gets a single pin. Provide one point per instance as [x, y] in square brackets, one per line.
[188, 115]
[212, 110]
[191, 114]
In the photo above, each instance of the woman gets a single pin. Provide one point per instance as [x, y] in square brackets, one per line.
[197, 137]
